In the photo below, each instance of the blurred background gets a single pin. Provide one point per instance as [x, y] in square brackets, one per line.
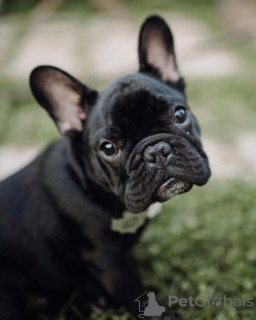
[208, 243]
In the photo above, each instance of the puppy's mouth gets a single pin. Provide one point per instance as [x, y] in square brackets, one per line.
[171, 188]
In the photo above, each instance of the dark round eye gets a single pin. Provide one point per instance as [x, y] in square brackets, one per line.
[108, 149]
[180, 114]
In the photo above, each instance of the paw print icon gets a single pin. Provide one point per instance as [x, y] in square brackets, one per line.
[216, 301]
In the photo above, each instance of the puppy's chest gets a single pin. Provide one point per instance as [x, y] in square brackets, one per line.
[121, 232]
[130, 222]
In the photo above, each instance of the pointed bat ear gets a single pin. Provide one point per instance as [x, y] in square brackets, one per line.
[156, 52]
[65, 99]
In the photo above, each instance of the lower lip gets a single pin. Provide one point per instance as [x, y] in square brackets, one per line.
[165, 186]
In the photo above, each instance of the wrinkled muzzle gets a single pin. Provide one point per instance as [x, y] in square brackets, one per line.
[162, 166]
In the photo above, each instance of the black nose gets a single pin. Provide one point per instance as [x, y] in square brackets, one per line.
[159, 151]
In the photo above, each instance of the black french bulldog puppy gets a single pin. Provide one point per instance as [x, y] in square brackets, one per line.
[124, 148]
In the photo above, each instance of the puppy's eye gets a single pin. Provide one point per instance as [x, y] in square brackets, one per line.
[180, 114]
[108, 149]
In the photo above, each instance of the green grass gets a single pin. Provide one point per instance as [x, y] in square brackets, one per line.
[227, 103]
[207, 247]
[203, 243]
[25, 123]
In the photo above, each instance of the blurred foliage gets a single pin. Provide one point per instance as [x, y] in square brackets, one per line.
[225, 103]
[22, 121]
[199, 8]
[89, 6]
[14, 6]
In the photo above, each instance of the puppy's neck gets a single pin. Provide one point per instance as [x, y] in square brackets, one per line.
[63, 167]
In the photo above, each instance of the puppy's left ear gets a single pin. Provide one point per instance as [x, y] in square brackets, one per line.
[65, 99]
[156, 52]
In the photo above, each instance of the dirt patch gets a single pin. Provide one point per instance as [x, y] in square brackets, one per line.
[103, 48]
[13, 159]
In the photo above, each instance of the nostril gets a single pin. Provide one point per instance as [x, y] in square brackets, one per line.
[160, 149]
[149, 155]
[166, 150]
[150, 158]
[163, 149]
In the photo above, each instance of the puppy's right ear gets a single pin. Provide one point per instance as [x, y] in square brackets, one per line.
[66, 99]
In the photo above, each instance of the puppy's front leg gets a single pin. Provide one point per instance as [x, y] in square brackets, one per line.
[121, 281]
[11, 306]
[12, 295]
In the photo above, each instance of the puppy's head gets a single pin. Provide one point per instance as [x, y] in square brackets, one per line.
[139, 138]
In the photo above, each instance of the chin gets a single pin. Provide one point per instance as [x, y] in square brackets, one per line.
[165, 192]
[171, 188]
